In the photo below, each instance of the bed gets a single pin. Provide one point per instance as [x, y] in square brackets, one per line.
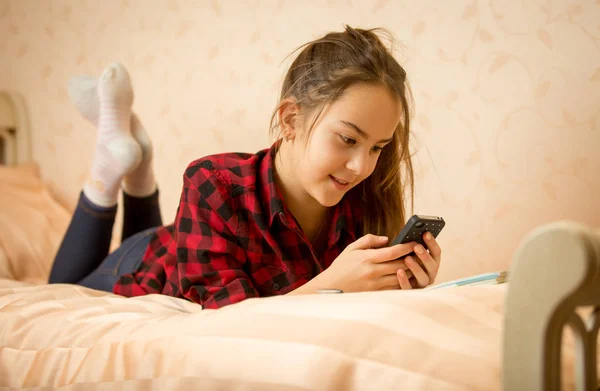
[485, 337]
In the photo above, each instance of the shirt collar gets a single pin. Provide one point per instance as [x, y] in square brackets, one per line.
[269, 192]
[344, 216]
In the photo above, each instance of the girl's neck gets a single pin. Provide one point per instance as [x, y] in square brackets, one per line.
[309, 213]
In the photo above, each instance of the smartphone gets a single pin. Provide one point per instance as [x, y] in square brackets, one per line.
[415, 228]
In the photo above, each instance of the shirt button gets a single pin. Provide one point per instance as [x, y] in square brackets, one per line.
[276, 287]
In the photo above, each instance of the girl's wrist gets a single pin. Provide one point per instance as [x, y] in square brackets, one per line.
[319, 282]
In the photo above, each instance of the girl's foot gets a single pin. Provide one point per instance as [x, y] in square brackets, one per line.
[140, 182]
[117, 152]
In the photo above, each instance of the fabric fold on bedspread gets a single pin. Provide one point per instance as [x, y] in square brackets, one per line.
[64, 335]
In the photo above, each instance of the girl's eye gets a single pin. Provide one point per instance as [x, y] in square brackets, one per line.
[377, 149]
[348, 140]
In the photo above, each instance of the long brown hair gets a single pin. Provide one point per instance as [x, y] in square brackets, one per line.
[320, 74]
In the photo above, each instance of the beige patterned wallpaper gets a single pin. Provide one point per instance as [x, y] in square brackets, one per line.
[507, 93]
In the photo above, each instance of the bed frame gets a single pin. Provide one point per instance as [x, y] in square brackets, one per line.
[15, 143]
[555, 272]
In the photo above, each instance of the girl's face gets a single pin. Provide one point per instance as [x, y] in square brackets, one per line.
[346, 142]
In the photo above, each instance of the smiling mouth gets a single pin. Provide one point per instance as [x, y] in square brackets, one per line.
[339, 181]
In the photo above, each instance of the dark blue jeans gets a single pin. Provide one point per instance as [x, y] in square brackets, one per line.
[83, 258]
[126, 259]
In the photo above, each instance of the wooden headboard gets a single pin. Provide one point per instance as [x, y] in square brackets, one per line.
[15, 138]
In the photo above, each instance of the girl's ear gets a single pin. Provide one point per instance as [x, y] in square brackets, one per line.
[289, 118]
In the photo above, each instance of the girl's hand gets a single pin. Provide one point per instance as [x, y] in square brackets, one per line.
[425, 271]
[366, 265]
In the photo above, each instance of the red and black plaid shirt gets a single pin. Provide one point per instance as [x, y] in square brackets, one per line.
[234, 238]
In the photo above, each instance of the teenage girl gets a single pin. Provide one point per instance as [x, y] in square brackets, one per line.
[314, 211]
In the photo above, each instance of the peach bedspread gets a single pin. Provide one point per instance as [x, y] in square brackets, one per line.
[73, 337]
[70, 337]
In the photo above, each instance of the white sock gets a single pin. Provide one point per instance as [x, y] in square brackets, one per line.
[83, 91]
[140, 182]
[117, 152]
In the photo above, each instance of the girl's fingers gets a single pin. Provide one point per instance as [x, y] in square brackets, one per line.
[390, 281]
[387, 254]
[420, 275]
[434, 248]
[431, 266]
[391, 267]
[403, 280]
